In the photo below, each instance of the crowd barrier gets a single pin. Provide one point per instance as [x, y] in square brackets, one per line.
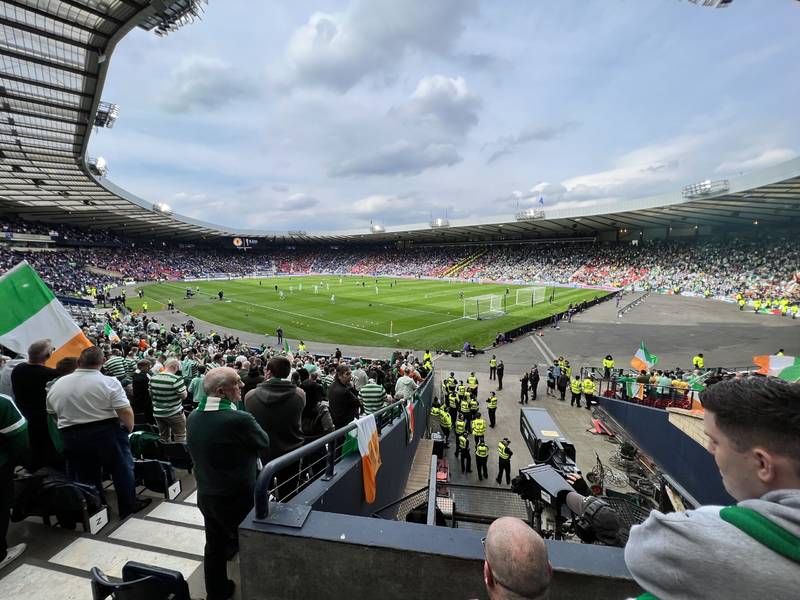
[631, 305]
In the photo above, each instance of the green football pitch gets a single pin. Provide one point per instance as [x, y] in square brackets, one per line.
[407, 313]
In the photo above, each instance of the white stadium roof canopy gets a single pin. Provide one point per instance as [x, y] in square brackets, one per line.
[55, 56]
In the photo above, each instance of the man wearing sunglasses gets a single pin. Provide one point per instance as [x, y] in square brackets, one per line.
[516, 564]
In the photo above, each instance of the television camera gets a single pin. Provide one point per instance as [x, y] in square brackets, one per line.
[551, 500]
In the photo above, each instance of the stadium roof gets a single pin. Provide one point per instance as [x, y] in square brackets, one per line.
[55, 57]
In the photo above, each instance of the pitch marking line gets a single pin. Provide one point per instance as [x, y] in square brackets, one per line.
[302, 316]
[399, 333]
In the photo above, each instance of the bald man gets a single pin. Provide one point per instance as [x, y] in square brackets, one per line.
[516, 565]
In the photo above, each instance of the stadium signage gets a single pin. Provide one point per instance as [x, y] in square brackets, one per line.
[531, 214]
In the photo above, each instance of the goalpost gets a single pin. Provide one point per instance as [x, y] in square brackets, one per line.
[530, 296]
[488, 306]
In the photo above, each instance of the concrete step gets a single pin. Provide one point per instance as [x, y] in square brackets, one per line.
[42, 582]
[177, 512]
[188, 540]
[110, 556]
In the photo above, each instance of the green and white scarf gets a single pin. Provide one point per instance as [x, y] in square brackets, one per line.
[213, 403]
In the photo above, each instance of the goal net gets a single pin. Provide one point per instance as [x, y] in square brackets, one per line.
[530, 296]
[484, 307]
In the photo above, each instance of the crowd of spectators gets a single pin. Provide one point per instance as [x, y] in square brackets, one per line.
[753, 267]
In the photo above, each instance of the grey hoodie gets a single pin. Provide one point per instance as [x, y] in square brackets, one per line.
[695, 554]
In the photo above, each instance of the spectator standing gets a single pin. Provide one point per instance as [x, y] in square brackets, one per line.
[224, 444]
[94, 419]
[277, 405]
[753, 427]
[13, 448]
[140, 383]
[316, 418]
[360, 378]
[168, 392]
[253, 379]
[29, 382]
[501, 368]
[516, 564]
[534, 382]
[372, 396]
[562, 383]
[523, 389]
[342, 398]
[405, 386]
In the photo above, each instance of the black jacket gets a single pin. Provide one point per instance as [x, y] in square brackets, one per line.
[344, 403]
[277, 406]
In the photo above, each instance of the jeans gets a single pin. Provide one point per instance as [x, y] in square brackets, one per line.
[93, 447]
[173, 426]
[222, 515]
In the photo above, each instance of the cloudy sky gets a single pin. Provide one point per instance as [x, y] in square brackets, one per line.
[325, 115]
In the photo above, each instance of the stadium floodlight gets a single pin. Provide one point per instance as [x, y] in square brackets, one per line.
[706, 188]
[488, 306]
[377, 228]
[107, 114]
[530, 214]
[713, 3]
[173, 15]
[530, 296]
[98, 166]
[162, 208]
[440, 222]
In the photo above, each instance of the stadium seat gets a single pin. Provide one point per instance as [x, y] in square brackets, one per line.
[177, 454]
[140, 582]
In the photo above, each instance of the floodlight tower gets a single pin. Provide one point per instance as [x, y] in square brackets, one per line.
[107, 115]
[98, 166]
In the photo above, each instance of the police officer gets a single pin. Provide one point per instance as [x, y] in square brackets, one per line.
[493, 368]
[472, 383]
[473, 409]
[698, 361]
[451, 383]
[466, 456]
[523, 389]
[491, 404]
[588, 391]
[481, 460]
[608, 365]
[576, 388]
[427, 357]
[464, 409]
[478, 428]
[445, 422]
[504, 460]
[461, 429]
[452, 404]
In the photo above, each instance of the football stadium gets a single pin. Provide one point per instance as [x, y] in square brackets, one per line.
[303, 347]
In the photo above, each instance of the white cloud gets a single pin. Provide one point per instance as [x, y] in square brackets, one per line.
[509, 144]
[204, 83]
[371, 37]
[400, 158]
[444, 102]
[764, 159]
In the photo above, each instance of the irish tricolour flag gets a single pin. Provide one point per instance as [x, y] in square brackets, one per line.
[643, 360]
[370, 450]
[31, 312]
[784, 367]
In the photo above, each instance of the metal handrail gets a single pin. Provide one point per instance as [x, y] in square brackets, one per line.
[273, 466]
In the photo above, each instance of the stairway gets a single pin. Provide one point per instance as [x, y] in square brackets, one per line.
[458, 267]
[170, 534]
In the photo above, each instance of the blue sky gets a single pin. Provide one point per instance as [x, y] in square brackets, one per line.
[328, 115]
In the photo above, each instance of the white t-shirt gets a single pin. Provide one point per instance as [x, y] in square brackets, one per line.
[85, 396]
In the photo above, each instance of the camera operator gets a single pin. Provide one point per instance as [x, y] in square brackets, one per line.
[749, 550]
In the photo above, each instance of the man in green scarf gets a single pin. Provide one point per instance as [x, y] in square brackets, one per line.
[224, 444]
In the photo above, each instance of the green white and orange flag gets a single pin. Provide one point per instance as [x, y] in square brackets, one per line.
[112, 335]
[783, 367]
[370, 449]
[31, 312]
[643, 360]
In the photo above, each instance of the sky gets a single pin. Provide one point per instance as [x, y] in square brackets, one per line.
[321, 115]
